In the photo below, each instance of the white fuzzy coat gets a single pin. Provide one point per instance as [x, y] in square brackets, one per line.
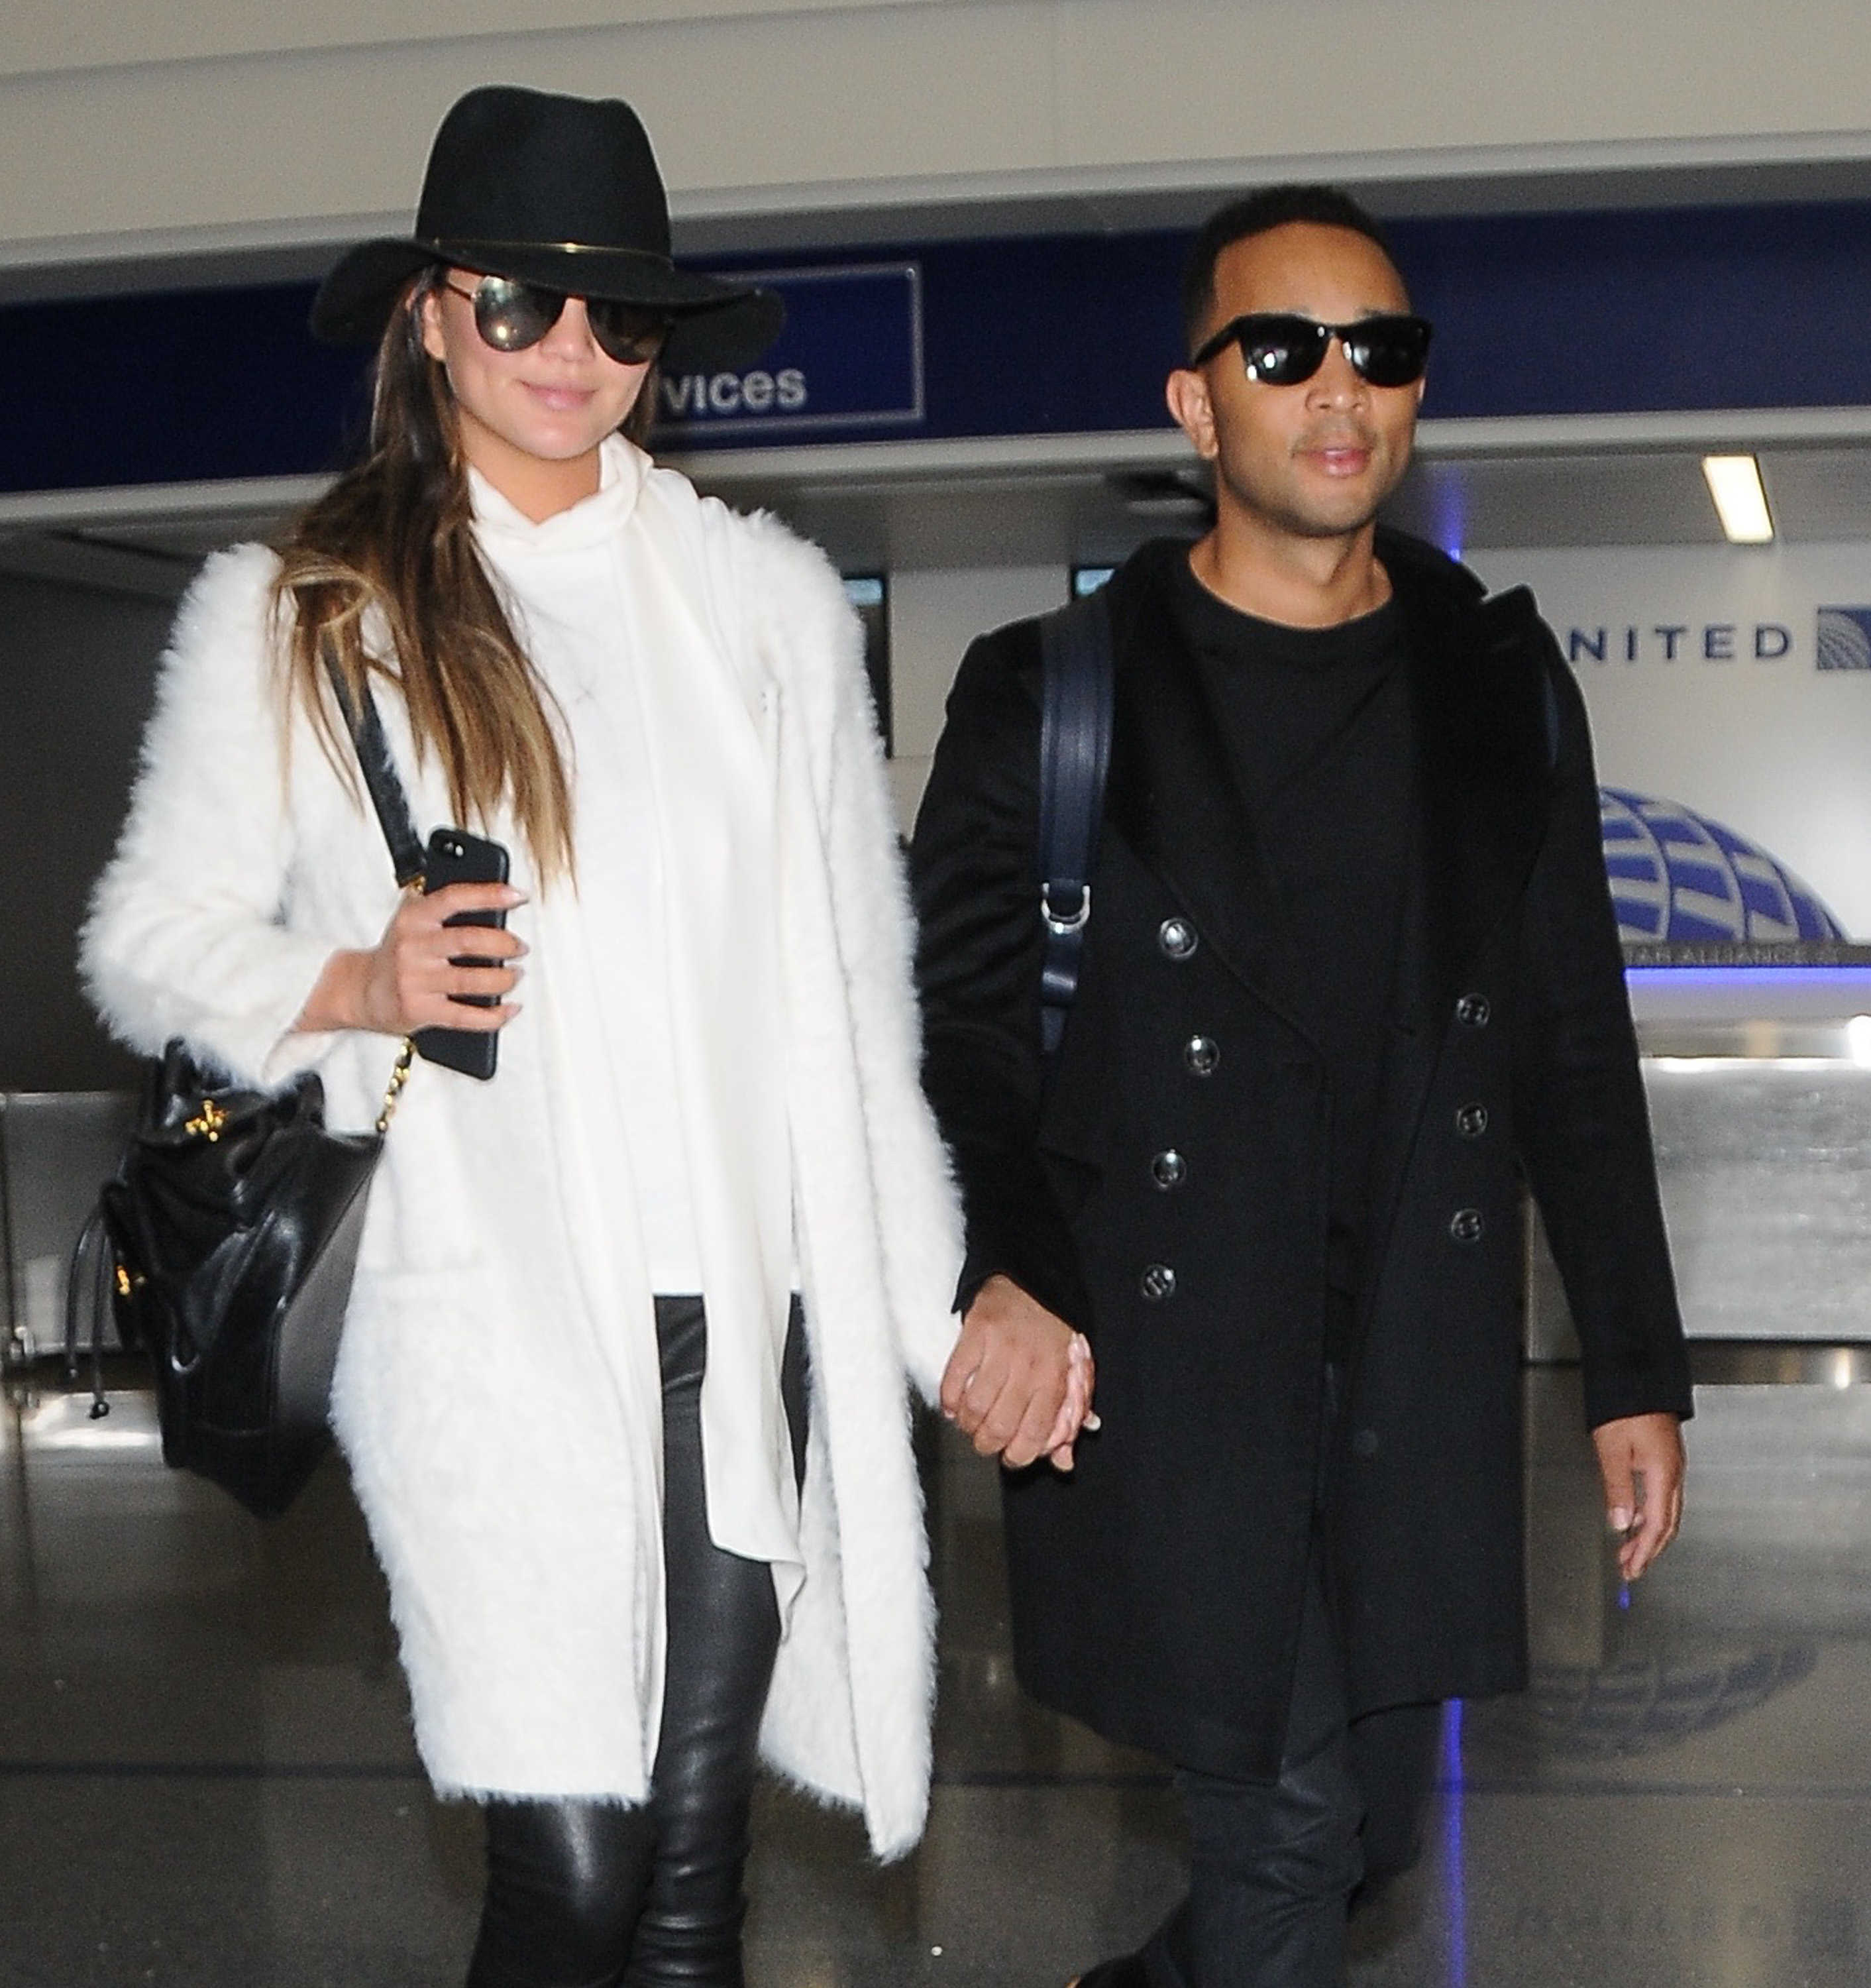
[484, 1437]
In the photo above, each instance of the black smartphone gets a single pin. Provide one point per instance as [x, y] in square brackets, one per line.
[455, 857]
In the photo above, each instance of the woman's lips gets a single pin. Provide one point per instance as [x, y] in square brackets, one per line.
[561, 400]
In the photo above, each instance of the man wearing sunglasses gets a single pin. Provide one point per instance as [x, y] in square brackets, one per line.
[1350, 965]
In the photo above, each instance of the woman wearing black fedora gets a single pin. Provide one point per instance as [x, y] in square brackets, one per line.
[623, 1376]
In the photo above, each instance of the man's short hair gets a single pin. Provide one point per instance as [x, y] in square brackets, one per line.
[1255, 214]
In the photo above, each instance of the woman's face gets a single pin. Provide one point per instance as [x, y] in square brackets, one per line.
[531, 421]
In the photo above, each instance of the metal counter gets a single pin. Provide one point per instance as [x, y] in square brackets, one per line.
[1759, 1081]
[56, 1149]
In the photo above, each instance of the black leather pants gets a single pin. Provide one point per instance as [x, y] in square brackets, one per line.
[585, 1895]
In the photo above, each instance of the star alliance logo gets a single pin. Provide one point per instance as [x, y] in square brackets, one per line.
[1844, 638]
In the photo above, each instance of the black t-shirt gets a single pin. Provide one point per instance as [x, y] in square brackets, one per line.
[1317, 721]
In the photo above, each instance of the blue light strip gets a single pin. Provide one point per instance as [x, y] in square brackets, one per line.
[1855, 977]
[1456, 1874]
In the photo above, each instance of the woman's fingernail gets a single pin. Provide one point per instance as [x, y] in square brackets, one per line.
[1094, 1423]
[1620, 1519]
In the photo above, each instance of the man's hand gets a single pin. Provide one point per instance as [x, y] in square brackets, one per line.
[1640, 1459]
[1019, 1381]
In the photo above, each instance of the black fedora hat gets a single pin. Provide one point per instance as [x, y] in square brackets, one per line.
[560, 191]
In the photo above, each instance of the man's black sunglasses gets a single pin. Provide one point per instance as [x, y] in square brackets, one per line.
[1281, 349]
[510, 316]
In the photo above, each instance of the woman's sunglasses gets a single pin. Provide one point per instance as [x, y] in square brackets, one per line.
[1281, 349]
[510, 316]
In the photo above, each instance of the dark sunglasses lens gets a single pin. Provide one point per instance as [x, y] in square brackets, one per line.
[511, 316]
[631, 333]
[1389, 351]
[1281, 351]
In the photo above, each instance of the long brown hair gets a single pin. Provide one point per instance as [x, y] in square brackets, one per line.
[389, 553]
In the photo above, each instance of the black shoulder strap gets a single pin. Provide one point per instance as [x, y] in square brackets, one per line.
[1075, 754]
[380, 772]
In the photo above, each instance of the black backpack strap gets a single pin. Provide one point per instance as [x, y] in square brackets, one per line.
[1075, 754]
[387, 796]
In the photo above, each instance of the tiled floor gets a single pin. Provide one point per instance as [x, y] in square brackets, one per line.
[205, 1777]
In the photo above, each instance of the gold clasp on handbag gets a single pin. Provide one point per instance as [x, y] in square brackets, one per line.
[207, 1122]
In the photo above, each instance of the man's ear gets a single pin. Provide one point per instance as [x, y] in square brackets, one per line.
[1187, 393]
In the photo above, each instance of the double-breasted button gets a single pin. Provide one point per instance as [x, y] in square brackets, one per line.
[1466, 1225]
[1176, 938]
[1157, 1283]
[1364, 1444]
[1471, 1120]
[1202, 1055]
[1473, 1011]
[1169, 1170]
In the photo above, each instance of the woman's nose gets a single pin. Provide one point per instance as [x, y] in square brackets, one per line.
[571, 331]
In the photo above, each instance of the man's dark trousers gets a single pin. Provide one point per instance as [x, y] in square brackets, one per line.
[1274, 1867]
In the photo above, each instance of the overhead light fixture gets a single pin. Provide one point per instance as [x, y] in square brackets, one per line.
[1740, 499]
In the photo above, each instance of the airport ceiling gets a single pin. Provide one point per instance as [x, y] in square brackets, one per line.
[1121, 199]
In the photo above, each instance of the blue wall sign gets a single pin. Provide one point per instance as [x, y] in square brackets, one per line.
[1619, 311]
[851, 356]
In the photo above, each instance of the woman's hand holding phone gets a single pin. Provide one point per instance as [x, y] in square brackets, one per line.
[410, 980]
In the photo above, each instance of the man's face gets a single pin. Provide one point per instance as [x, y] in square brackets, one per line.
[1314, 460]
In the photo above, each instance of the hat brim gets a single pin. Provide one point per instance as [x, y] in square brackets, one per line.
[717, 324]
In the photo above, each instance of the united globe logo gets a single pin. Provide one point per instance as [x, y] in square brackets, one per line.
[1843, 638]
[1679, 878]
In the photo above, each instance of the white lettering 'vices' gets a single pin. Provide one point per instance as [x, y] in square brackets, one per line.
[706, 395]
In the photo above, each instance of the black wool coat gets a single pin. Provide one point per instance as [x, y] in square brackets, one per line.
[1163, 1185]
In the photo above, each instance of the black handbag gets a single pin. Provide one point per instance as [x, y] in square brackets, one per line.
[234, 1220]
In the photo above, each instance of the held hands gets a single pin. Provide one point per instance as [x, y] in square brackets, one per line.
[1640, 1459]
[1020, 1381]
[403, 984]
